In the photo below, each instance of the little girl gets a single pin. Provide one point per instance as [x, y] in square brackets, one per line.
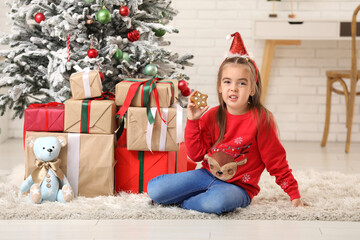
[240, 127]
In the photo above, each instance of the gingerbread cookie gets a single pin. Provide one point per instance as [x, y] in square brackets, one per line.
[199, 99]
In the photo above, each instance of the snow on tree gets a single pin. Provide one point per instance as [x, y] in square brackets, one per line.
[37, 65]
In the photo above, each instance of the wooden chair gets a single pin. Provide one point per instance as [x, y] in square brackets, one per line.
[334, 76]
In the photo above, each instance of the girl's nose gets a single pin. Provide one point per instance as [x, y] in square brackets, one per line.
[233, 87]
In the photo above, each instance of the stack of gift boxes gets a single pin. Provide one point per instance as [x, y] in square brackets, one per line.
[100, 157]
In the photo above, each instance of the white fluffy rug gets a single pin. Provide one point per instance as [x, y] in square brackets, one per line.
[329, 196]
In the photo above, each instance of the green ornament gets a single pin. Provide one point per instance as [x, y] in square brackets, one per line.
[159, 32]
[89, 1]
[150, 69]
[103, 16]
[126, 57]
[118, 54]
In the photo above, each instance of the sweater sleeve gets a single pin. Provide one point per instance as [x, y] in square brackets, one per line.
[197, 138]
[274, 157]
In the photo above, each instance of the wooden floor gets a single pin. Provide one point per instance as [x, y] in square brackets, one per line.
[301, 155]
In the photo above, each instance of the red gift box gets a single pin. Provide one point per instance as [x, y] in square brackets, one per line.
[47, 117]
[44, 117]
[134, 169]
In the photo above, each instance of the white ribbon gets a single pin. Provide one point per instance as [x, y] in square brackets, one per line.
[86, 83]
[179, 125]
[79, 69]
[150, 128]
[162, 143]
[163, 132]
[73, 158]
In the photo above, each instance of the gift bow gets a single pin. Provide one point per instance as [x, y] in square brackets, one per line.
[45, 105]
[42, 169]
[149, 86]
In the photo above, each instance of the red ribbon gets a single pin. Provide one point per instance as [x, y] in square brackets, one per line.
[106, 96]
[130, 95]
[132, 91]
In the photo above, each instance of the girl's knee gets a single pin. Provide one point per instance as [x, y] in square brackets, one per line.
[153, 189]
[215, 207]
[157, 189]
[207, 206]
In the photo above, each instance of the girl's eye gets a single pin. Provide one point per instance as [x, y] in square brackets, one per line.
[211, 166]
[242, 83]
[226, 82]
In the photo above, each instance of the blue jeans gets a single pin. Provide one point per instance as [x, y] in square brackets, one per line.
[197, 190]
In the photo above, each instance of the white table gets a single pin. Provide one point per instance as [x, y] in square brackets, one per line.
[291, 32]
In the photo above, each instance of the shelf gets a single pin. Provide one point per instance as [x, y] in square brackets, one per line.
[289, 29]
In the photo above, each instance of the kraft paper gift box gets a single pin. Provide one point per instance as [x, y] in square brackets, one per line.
[48, 117]
[87, 161]
[90, 116]
[86, 84]
[134, 169]
[159, 136]
[167, 90]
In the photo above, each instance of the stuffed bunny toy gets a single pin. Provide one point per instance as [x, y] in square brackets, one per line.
[47, 181]
[222, 165]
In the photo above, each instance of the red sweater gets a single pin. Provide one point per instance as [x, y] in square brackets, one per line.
[261, 146]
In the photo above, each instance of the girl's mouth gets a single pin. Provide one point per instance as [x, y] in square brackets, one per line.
[233, 97]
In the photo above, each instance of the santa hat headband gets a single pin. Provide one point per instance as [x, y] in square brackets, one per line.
[238, 49]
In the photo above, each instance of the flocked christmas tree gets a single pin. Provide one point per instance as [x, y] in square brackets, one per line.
[51, 39]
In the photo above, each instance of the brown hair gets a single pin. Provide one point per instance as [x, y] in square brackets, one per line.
[254, 101]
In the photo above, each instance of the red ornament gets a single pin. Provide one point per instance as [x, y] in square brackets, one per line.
[102, 76]
[92, 53]
[39, 17]
[186, 92]
[182, 85]
[133, 35]
[124, 11]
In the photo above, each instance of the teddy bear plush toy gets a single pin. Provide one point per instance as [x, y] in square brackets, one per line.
[47, 181]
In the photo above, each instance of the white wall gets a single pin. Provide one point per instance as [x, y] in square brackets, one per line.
[4, 120]
[296, 94]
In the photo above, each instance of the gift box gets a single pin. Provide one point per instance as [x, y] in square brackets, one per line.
[90, 116]
[86, 84]
[164, 134]
[48, 117]
[87, 161]
[134, 169]
[136, 92]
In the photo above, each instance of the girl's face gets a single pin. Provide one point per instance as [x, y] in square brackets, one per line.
[235, 88]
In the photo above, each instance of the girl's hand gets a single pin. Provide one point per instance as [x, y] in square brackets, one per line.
[194, 113]
[297, 202]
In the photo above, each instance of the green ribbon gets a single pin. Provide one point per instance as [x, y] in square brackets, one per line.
[149, 86]
[141, 171]
[120, 130]
[84, 116]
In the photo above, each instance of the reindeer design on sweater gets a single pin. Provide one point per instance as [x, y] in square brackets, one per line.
[223, 165]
